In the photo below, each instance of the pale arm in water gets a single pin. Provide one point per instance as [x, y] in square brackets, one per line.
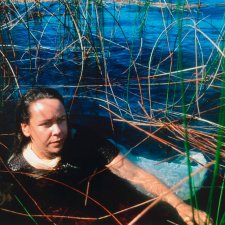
[125, 169]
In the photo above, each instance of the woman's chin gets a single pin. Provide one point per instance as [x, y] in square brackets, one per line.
[55, 152]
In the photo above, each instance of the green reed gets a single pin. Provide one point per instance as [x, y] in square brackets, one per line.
[220, 141]
[26, 211]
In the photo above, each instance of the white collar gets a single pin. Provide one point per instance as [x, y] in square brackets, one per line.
[36, 162]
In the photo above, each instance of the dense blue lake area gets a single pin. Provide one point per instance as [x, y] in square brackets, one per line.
[135, 59]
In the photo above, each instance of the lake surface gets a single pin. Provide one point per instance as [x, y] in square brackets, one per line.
[138, 60]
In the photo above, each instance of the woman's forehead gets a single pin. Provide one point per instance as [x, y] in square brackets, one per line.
[47, 107]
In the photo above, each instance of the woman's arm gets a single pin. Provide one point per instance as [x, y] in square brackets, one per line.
[125, 169]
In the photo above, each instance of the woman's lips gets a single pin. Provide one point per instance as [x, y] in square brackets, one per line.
[58, 142]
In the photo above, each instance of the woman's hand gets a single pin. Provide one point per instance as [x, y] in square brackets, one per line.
[125, 169]
[193, 216]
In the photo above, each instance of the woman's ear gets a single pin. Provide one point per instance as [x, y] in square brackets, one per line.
[25, 129]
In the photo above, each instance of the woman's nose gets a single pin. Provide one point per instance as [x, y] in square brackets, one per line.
[56, 129]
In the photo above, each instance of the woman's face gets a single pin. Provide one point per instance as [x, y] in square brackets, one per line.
[47, 127]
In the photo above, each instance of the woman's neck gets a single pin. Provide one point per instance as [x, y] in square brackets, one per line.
[40, 163]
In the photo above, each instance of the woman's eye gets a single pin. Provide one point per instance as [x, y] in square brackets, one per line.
[61, 120]
[47, 124]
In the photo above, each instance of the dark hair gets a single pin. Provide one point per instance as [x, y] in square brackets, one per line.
[23, 113]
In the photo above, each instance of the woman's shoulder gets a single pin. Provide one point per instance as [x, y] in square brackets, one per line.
[18, 163]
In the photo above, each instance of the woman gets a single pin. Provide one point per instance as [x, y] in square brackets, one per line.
[45, 147]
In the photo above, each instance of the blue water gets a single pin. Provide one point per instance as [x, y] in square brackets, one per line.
[137, 40]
